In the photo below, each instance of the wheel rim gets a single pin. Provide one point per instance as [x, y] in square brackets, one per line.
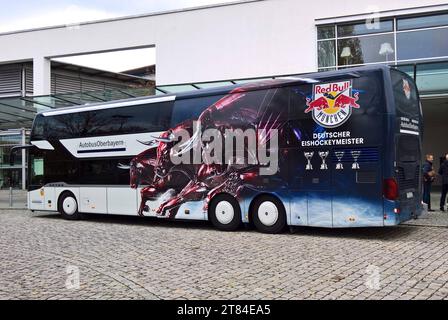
[268, 213]
[224, 212]
[69, 205]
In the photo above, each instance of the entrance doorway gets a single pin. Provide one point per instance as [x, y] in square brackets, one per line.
[435, 134]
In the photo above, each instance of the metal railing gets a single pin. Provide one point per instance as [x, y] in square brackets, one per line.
[11, 198]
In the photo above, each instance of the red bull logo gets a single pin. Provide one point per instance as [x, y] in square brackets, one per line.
[332, 103]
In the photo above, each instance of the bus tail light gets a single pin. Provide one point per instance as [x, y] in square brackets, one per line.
[390, 189]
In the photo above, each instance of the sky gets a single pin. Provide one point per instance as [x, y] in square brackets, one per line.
[27, 14]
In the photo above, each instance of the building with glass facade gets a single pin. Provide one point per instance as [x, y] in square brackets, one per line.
[394, 40]
[70, 85]
[12, 174]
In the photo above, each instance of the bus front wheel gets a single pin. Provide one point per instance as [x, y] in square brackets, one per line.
[68, 206]
[225, 213]
[268, 214]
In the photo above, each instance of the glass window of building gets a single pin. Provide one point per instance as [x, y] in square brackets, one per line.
[365, 27]
[326, 32]
[361, 50]
[408, 69]
[393, 41]
[432, 78]
[422, 22]
[422, 44]
[326, 53]
[10, 173]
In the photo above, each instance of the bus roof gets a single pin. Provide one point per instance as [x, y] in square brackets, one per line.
[309, 78]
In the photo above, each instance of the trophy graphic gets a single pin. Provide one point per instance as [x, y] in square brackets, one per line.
[309, 156]
[323, 155]
[339, 155]
[355, 155]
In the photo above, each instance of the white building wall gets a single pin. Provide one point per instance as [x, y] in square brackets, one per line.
[258, 38]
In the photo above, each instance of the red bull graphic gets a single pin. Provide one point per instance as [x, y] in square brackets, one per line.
[166, 184]
[332, 103]
[407, 89]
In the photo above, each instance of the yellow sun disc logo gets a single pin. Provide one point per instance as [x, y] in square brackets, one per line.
[332, 103]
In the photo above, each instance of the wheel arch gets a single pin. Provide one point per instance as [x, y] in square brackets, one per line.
[260, 195]
[226, 221]
[62, 194]
[216, 196]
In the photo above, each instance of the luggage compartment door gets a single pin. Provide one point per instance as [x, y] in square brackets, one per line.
[357, 188]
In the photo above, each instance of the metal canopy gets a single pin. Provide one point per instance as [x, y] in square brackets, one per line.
[18, 112]
[431, 78]
[176, 88]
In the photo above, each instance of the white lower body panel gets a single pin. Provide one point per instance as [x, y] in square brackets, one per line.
[36, 199]
[122, 201]
[93, 200]
[110, 200]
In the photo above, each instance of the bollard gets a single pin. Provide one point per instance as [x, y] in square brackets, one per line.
[10, 197]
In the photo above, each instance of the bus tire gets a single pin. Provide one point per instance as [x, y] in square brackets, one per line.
[268, 214]
[68, 206]
[224, 212]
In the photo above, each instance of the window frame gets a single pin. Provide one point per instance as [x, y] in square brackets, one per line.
[354, 23]
[42, 124]
[420, 17]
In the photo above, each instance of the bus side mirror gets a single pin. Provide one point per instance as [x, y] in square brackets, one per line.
[12, 155]
[13, 151]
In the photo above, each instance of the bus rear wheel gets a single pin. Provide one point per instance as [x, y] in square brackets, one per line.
[268, 214]
[225, 213]
[68, 206]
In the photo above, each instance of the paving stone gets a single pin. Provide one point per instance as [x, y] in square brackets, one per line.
[135, 258]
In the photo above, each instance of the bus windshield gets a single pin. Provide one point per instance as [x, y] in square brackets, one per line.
[405, 95]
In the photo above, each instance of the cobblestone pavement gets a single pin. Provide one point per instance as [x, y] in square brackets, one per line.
[136, 258]
[432, 219]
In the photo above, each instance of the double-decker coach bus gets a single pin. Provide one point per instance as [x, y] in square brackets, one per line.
[342, 149]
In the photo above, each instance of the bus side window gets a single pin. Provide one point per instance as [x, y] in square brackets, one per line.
[275, 104]
[246, 112]
[297, 105]
[369, 89]
[274, 112]
[39, 128]
[190, 108]
[62, 126]
[291, 134]
[139, 118]
[151, 117]
[405, 95]
[103, 171]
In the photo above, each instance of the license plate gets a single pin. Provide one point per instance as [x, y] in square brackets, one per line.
[410, 195]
